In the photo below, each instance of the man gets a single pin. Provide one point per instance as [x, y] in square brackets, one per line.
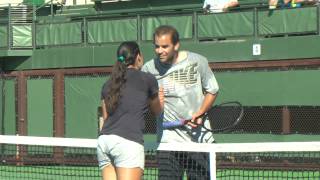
[218, 6]
[190, 89]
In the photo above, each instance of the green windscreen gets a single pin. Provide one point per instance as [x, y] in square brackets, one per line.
[9, 107]
[183, 24]
[3, 36]
[214, 25]
[40, 107]
[34, 2]
[273, 88]
[112, 30]
[59, 34]
[288, 21]
[22, 36]
[82, 99]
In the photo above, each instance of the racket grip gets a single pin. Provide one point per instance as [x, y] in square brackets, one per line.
[173, 124]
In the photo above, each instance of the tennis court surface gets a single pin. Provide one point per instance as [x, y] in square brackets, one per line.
[70, 158]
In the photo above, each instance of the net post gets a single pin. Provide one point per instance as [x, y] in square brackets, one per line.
[58, 155]
[19, 154]
[213, 165]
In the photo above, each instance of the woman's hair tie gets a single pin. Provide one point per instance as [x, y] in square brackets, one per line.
[121, 59]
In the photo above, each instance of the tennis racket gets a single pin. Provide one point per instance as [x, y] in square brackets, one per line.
[222, 118]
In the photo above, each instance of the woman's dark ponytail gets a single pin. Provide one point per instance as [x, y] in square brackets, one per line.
[126, 55]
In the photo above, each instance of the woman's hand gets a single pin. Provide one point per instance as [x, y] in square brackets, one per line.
[161, 97]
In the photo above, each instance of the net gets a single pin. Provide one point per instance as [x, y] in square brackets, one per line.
[276, 160]
[48, 158]
[71, 158]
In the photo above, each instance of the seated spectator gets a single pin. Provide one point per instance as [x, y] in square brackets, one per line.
[299, 3]
[290, 3]
[217, 6]
[273, 4]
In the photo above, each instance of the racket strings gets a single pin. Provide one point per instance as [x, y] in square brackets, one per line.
[219, 118]
[224, 117]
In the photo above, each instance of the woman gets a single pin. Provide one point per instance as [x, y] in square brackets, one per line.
[126, 98]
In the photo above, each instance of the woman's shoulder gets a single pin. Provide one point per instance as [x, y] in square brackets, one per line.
[140, 74]
[147, 75]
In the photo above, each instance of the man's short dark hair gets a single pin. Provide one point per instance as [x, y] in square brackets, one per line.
[164, 30]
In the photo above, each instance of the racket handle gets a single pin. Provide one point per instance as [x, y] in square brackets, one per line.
[173, 124]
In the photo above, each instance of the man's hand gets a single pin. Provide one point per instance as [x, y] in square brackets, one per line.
[196, 120]
[206, 105]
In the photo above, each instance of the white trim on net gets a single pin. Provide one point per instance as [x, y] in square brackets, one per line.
[242, 147]
[48, 141]
[190, 146]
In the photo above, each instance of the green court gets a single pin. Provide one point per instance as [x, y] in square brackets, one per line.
[93, 173]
